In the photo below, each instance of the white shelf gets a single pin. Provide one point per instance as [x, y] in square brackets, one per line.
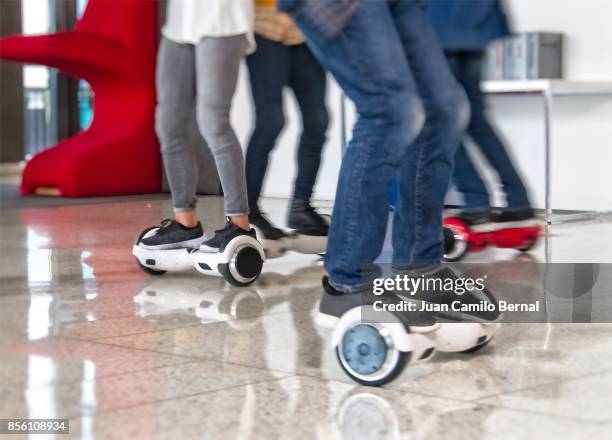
[553, 86]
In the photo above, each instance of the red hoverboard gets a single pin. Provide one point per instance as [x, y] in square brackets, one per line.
[459, 238]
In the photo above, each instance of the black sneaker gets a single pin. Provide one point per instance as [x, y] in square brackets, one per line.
[223, 236]
[269, 231]
[172, 235]
[474, 218]
[513, 217]
[335, 302]
[305, 220]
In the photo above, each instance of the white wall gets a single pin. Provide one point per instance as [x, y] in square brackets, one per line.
[582, 126]
[582, 131]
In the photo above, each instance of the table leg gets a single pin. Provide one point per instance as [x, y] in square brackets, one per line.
[548, 102]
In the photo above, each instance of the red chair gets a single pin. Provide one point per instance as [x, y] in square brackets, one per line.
[113, 47]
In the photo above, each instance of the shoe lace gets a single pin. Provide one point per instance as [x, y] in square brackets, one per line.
[165, 223]
[163, 226]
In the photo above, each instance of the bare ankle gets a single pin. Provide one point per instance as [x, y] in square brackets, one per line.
[242, 221]
[189, 219]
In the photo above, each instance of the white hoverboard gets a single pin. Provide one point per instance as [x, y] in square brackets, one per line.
[302, 243]
[375, 353]
[239, 262]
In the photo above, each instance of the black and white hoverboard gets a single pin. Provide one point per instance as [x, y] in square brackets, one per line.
[239, 262]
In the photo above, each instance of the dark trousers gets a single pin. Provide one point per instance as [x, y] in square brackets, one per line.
[272, 67]
[467, 68]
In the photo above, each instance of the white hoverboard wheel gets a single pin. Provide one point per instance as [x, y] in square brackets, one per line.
[147, 233]
[244, 262]
[375, 353]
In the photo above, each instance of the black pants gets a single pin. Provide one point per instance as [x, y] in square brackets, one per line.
[467, 68]
[272, 67]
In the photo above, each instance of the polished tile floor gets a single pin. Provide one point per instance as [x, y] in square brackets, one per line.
[85, 335]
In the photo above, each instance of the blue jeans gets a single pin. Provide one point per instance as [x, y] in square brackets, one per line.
[272, 67]
[467, 67]
[411, 117]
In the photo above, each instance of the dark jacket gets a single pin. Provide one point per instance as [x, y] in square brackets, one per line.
[467, 24]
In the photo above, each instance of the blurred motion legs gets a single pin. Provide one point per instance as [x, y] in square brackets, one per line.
[478, 225]
[272, 67]
[467, 68]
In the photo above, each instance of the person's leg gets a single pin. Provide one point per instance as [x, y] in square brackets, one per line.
[369, 63]
[175, 95]
[268, 71]
[427, 164]
[175, 98]
[485, 137]
[307, 79]
[469, 183]
[476, 208]
[308, 82]
[465, 175]
[217, 63]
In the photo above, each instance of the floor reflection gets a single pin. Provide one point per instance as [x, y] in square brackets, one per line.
[85, 334]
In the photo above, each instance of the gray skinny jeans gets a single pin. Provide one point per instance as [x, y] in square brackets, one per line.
[204, 75]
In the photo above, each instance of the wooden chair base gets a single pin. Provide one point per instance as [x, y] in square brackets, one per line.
[48, 192]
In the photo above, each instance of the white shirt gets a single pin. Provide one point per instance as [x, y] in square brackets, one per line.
[188, 21]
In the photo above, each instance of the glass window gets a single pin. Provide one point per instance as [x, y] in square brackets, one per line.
[85, 92]
[39, 81]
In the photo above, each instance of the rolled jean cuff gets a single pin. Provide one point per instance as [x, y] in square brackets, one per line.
[184, 209]
[345, 288]
[416, 268]
[231, 214]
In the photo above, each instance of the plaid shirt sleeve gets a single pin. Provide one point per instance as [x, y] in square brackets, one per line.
[329, 16]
